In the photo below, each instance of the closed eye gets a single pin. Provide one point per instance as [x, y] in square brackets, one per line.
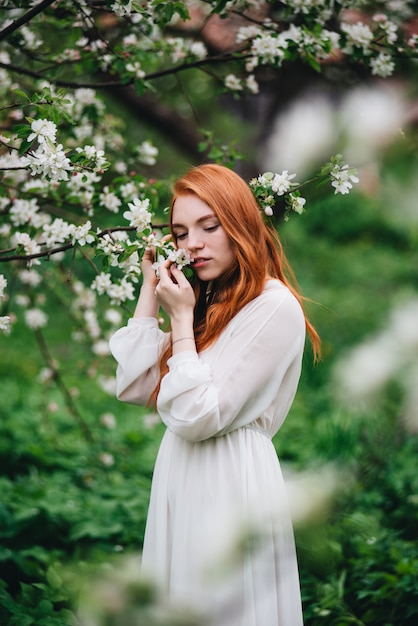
[181, 236]
[210, 229]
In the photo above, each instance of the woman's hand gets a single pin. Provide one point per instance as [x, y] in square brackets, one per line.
[174, 293]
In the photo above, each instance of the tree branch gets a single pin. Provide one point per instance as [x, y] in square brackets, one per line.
[25, 18]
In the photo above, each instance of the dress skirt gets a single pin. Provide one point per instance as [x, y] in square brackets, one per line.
[219, 537]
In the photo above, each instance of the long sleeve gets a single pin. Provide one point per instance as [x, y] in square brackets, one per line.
[256, 358]
[136, 348]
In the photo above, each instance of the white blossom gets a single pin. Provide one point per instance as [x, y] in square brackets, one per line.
[43, 130]
[113, 316]
[5, 230]
[29, 245]
[22, 299]
[81, 234]
[23, 211]
[92, 324]
[389, 28]
[251, 84]
[5, 324]
[121, 292]
[45, 374]
[102, 283]
[108, 420]
[35, 318]
[109, 200]
[107, 459]
[147, 153]
[136, 69]
[268, 48]
[233, 82]
[101, 348]
[3, 285]
[198, 49]
[95, 155]
[247, 32]
[382, 65]
[30, 277]
[359, 35]
[49, 161]
[57, 232]
[342, 178]
[281, 183]
[139, 215]
[122, 8]
[297, 203]
[107, 384]
[180, 257]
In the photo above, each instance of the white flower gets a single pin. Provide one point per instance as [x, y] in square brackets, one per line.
[107, 384]
[101, 348]
[281, 183]
[57, 232]
[108, 420]
[30, 277]
[233, 82]
[359, 35]
[35, 318]
[81, 234]
[95, 155]
[45, 374]
[5, 230]
[120, 293]
[342, 178]
[107, 459]
[389, 28]
[139, 215]
[247, 32]
[268, 211]
[3, 285]
[297, 203]
[268, 48]
[49, 161]
[198, 49]
[23, 211]
[110, 200]
[92, 325]
[42, 130]
[147, 153]
[135, 68]
[113, 316]
[128, 191]
[382, 65]
[5, 324]
[122, 8]
[180, 257]
[252, 84]
[22, 300]
[101, 283]
[29, 245]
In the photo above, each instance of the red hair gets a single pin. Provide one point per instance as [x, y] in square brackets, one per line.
[258, 251]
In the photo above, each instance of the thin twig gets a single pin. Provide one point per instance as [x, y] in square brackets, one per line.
[72, 408]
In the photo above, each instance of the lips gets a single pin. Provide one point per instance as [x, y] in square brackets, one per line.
[199, 261]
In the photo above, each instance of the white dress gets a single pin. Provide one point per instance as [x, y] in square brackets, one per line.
[219, 535]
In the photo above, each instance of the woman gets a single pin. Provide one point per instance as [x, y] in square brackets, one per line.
[218, 533]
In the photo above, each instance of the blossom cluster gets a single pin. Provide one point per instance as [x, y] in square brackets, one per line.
[270, 188]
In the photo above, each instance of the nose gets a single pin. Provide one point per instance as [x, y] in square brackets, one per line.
[194, 241]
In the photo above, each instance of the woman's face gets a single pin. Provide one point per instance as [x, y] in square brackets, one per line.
[197, 229]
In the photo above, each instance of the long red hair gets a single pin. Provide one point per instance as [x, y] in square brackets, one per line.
[257, 247]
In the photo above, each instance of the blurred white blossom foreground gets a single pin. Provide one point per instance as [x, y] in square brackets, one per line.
[389, 355]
